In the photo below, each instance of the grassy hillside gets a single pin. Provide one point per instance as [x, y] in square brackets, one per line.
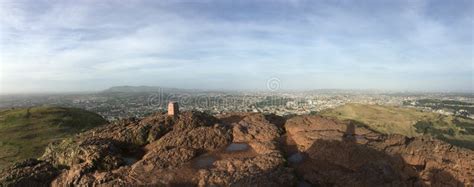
[410, 122]
[24, 133]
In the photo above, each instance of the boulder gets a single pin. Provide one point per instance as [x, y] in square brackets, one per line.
[341, 154]
[162, 166]
[193, 119]
[133, 131]
[266, 166]
[200, 138]
[95, 153]
[255, 127]
[261, 170]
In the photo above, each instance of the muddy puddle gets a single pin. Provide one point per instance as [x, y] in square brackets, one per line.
[130, 160]
[295, 158]
[204, 162]
[237, 147]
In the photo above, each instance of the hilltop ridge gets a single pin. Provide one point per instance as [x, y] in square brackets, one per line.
[242, 149]
[25, 132]
[456, 130]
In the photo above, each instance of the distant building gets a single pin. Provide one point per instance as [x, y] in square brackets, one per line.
[173, 108]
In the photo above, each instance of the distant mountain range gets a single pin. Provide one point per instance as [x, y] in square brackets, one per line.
[138, 89]
[144, 89]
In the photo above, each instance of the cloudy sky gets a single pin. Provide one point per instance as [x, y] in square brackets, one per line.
[54, 46]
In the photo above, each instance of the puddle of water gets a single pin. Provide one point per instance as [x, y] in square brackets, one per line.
[204, 162]
[237, 147]
[129, 160]
[295, 158]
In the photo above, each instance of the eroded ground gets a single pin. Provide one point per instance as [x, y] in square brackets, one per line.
[244, 149]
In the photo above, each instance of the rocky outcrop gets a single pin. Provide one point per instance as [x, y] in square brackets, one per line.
[258, 132]
[30, 172]
[160, 166]
[99, 155]
[261, 170]
[199, 138]
[255, 127]
[265, 166]
[343, 154]
[96, 153]
[305, 130]
[193, 119]
[134, 131]
[243, 149]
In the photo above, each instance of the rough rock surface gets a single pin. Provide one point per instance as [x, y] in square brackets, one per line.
[90, 155]
[30, 172]
[243, 149]
[344, 154]
[260, 170]
[96, 153]
[193, 119]
[266, 166]
[200, 138]
[255, 127]
[157, 162]
[134, 131]
[258, 132]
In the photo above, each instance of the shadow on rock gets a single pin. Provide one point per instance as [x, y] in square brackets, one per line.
[231, 119]
[438, 177]
[279, 121]
[346, 163]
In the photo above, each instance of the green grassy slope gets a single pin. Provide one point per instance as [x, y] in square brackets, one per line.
[410, 122]
[25, 132]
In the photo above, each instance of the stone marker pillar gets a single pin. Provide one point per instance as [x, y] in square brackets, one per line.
[173, 108]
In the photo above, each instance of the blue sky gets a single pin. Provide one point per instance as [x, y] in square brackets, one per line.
[54, 46]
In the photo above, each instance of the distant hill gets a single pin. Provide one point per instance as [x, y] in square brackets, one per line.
[409, 122]
[25, 132]
[133, 89]
[141, 89]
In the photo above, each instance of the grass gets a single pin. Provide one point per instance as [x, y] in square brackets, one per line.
[25, 132]
[409, 122]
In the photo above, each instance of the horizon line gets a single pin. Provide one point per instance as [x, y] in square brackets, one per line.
[241, 90]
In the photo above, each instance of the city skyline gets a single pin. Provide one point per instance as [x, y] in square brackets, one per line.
[90, 45]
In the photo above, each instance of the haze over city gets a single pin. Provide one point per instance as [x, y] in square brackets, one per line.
[63, 46]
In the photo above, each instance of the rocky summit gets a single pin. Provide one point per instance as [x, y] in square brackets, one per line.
[243, 149]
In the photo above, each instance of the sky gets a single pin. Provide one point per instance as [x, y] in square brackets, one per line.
[64, 46]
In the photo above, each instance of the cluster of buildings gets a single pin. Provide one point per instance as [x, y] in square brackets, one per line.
[115, 106]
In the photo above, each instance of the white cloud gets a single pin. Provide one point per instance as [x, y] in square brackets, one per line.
[67, 42]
